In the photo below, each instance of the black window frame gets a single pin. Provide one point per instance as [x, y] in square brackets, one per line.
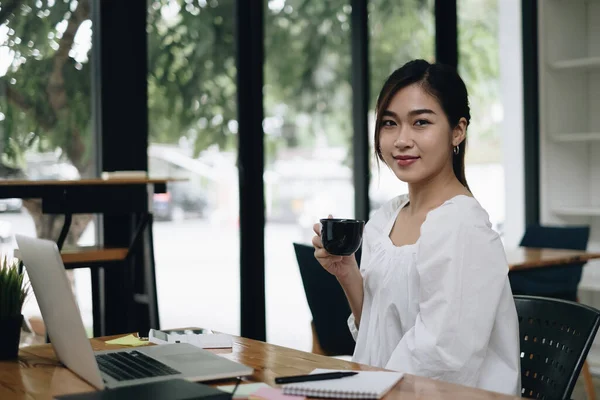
[123, 142]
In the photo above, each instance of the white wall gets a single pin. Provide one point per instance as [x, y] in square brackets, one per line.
[511, 79]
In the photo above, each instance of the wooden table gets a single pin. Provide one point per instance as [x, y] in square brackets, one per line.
[527, 258]
[38, 375]
[80, 182]
[85, 196]
[124, 202]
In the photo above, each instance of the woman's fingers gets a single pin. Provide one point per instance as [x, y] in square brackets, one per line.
[323, 256]
[317, 229]
[321, 253]
[317, 242]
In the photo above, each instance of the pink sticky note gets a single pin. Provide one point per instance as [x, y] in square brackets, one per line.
[269, 393]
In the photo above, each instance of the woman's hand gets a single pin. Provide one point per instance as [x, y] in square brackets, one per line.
[339, 266]
[345, 269]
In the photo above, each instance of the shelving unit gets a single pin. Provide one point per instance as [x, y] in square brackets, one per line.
[577, 211]
[569, 100]
[577, 137]
[586, 63]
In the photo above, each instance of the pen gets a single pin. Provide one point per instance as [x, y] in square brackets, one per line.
[313, 377]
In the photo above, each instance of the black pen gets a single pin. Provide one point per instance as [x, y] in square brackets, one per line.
[313, 377]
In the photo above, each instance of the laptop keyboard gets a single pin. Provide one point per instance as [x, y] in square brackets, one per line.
[132, 365]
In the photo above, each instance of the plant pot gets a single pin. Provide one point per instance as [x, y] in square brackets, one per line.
[10, 330]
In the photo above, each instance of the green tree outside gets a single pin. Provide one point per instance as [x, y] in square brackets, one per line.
[45, 64]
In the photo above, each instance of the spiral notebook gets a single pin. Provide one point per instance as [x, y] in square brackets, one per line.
[364, 385]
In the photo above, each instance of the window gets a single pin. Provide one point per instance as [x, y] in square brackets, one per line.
[45, 119]
[400, 31]
[308, 139]
[193, 127]
[479, 66]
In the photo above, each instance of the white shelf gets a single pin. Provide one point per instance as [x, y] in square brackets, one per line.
[569, 128]
[577, 63]
[576, 137]
[577, 211]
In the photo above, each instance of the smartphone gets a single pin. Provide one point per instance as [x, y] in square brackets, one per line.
[158, 337]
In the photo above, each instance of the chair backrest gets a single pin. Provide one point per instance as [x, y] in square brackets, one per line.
[556, 237]
[560, 281]
[327, 303]
[555, 337]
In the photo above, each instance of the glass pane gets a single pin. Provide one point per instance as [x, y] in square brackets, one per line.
[479, 67]
[193, 127]
[45, 120]
[308, 131]
[400, 31]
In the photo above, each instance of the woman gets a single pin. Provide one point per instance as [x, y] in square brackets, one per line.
[432, 296]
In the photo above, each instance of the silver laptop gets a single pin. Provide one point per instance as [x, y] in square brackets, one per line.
[111, 368]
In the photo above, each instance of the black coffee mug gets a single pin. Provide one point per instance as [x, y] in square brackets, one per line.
[341, 237]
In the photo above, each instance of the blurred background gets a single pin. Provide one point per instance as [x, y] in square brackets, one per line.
[47, 132]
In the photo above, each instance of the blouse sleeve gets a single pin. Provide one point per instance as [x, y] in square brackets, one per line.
[462, 271]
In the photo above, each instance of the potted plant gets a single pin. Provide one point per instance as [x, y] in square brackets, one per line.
[13, 291]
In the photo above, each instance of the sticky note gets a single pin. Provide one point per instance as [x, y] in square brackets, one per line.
[244, 390]
[129, 340]
[270, 393]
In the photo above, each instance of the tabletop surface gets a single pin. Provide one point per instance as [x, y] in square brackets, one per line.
[38, 375]
[526, 257]
[84, 182]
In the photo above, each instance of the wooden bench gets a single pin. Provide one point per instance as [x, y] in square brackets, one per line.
[79, 256]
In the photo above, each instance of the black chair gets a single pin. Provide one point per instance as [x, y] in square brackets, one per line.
[557, 282]
[327, 303]
[555, 337]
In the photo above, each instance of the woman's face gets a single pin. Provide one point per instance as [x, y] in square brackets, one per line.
[416, 139]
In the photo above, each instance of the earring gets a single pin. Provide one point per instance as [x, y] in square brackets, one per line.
[456, 150]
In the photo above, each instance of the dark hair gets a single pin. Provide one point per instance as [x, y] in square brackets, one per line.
[445, 85]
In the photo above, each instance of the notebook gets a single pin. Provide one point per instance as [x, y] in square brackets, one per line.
[364, 385]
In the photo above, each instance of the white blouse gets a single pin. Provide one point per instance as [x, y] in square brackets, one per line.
[441, 307]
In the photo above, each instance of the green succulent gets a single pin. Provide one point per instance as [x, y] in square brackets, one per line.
[13, 288]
